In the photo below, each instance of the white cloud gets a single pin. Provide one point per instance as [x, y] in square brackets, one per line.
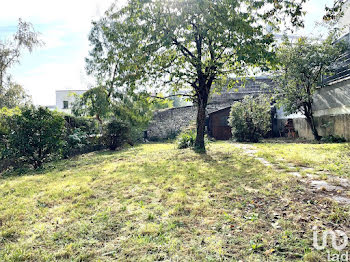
[74, 12]
[53, 66]
[64, 26]
[44, 80]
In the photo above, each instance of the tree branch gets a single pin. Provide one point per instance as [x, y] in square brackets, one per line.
[112, 81]
[166, 97]
[183, 49]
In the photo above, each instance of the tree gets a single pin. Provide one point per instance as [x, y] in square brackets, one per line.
[302, 65]
[13, 95]
[189, 43]
[335, 12]
[133, 110]
[26, 38]
[250, 119]
[93, 102]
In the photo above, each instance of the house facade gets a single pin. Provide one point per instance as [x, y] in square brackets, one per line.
[65, 99]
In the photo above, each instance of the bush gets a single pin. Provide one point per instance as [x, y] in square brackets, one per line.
[250, 119]
[74, 142]
[36, 136]
[5, 116]
[186, 139]
[117, 133]
[81, 136]
[333, 139]
[87, 125]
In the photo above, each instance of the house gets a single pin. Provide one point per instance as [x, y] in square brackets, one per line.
[65, 99]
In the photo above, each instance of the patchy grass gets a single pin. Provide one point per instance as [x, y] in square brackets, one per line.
[332, 158]
[154, 202]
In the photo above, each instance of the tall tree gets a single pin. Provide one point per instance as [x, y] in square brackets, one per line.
[302, 66]
[26, 38]
[93, 102]
[187, 43]
[134, 109]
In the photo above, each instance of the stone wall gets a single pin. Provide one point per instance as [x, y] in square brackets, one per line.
[169, 122]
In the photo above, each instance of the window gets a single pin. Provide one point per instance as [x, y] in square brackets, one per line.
[65, 104]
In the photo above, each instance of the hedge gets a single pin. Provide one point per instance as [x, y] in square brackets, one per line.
[32, 136]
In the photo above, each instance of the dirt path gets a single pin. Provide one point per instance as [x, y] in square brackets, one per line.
[334, 187]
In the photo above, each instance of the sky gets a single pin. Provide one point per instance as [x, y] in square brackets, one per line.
[64, 26]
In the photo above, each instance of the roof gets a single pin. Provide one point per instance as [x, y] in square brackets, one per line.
[218, 111]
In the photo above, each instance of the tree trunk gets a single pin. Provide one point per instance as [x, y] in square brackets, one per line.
[310, 120]
[201, 108]
[100, 123]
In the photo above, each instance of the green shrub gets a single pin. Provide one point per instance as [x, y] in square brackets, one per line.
[186, 139]
[81, 136]
[39, 135]
[74, 142]
[333, 139]
[36, 136]
[5, 116]
[250, 119]
[117, 133]
[87, 125]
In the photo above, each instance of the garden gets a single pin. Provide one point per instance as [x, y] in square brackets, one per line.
[88, 185]
[156, 202]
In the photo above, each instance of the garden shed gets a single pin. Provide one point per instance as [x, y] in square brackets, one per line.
[218, 127]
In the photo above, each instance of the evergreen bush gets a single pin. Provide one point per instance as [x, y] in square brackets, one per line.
[250, 119]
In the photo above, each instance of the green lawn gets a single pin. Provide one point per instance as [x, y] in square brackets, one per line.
[154, 202]
[331, 158]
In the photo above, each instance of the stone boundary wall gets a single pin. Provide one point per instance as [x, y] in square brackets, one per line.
[167, 123]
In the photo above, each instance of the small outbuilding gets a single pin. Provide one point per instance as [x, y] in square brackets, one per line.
[217, 124]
